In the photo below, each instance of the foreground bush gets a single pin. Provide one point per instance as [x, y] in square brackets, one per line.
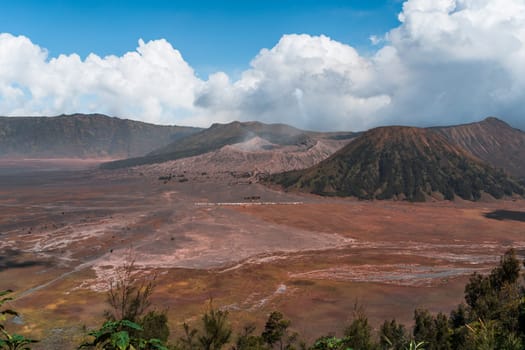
[115, 335]
[10, 341]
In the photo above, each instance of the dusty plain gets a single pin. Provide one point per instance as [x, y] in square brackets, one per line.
[250, 248]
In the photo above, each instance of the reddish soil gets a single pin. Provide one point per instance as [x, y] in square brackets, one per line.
[63, 234]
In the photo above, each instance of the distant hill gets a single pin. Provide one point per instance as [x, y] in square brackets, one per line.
[83, 136]
[253, 159]
[493, 141]
[403, 163]
[220, 135]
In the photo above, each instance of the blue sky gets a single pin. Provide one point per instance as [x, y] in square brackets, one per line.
[212, 35]
[307, 63]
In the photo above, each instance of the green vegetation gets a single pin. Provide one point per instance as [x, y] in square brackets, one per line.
[401, 163]
[492, 317]
[116, 335]
[214, 334]
[130, 324]
[10, 341]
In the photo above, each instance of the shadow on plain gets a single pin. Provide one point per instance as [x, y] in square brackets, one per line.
[11, 259]
[506, 215]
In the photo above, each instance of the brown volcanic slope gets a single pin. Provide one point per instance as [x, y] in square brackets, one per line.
[220, 135]
[250, 158]
[493, 141]
[83, 136]
[401, 162]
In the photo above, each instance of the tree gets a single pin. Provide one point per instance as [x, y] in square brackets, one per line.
[424, 329]
[443, 333]
[487, 296]
[155, 325]
[189, 340]
[129, 298]
[246, 340]
[480, 297]
[392, 335]
[434, 331]
[129, 294]
[276, 332]
[458, 321]
[359, 332]
[128, 326]
[482, 335]
[507, 272]
[496, 302]
[216, 332]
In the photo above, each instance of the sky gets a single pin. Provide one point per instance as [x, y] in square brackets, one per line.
[212, 35]
[322, 65]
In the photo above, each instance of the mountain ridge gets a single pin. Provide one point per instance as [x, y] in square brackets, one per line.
[83, 136]
[404, 163]
[220, 135]
[491, 140]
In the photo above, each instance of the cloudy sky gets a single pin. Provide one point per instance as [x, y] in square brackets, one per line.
[322, 65]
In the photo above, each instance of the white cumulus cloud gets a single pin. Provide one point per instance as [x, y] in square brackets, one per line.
[463, 58]
[153, 83]
[448, 61]
[310, 81]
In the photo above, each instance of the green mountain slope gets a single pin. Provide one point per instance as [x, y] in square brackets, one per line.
[404, 163]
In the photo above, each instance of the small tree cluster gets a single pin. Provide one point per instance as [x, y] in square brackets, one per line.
[130, 323]
[492, 317]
